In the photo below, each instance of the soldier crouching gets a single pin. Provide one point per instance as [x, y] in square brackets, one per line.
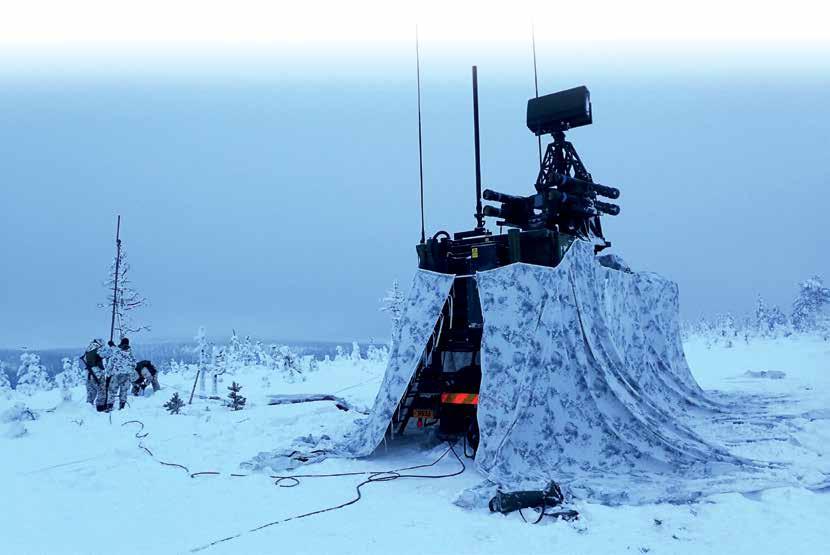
[145, 374]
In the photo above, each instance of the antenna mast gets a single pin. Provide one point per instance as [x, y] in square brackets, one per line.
[479, 213]
[117, 268]
[420, 140]
[536, 86]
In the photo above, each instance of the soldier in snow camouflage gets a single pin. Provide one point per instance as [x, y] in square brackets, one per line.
[120, 369]
[94, 363]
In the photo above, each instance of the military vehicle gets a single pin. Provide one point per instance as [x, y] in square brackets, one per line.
[564, 207]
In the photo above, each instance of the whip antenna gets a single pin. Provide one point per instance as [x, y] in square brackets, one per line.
[536, 85]
[420, 140]
[479, 213]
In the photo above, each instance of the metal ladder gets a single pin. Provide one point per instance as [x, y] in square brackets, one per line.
[407, 402]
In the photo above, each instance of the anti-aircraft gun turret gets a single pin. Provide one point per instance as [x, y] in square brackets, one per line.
[566, 196]
[565, 207]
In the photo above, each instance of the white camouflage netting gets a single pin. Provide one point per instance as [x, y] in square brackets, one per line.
[584, 382]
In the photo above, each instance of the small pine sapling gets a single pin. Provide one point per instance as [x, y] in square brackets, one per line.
[237, 401]
[175, 404]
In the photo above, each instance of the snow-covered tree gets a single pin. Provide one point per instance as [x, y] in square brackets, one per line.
[204, 352]
[725, 329]
[289, 363]
[219, 368]
[777, 320]
[768, 320]
[70, 377]
[355, 356]
[175, 404]
[235, 400]
[393, 303]
[808, 305]
[127, 299]
[175, 366]
[377, 354]
[31, 375]
[5, 384]
[760, 319]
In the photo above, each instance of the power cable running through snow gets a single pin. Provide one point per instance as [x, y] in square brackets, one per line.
[373, 476]
[381, 476]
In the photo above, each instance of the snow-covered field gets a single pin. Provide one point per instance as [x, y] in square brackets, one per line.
[79, 482]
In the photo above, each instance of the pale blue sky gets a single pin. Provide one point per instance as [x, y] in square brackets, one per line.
[282, 202]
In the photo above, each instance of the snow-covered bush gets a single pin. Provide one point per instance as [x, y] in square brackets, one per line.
[15, 416]
[31, 376]
[18, 412]
[808, 305]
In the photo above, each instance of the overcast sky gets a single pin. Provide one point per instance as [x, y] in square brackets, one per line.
[274, 192]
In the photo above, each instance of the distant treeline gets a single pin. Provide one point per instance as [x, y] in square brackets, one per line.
[161, 353]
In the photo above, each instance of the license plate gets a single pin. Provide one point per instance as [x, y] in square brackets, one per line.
[423, 413]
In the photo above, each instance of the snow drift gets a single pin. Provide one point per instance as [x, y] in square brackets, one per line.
[584, 381]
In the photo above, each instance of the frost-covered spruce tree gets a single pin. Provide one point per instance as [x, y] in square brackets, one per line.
[31, 376]
[393, 303]
[808, 305]
[235, 400]
[274, 357]
[355, 356]
[248, 354]
[175, 404]
[777, 321]
[5, 384]
[203, 351]
[290, 363]
[761, 318]
[219, 367]
[769, 320]
[311, 364]
[127, 299]
[377, 354]
[70, 377]
[727, 331]
[233, 354]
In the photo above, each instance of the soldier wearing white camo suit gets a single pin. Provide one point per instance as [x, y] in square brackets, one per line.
[94, 363]
[120, 368]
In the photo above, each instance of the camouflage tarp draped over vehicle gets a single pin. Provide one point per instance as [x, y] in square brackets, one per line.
[421, 309]
[584, 382]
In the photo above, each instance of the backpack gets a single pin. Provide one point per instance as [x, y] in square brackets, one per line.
[92, 359]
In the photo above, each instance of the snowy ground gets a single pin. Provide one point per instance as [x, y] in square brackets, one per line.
[77, 481]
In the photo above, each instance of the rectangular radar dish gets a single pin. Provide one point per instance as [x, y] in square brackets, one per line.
[559, 111]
